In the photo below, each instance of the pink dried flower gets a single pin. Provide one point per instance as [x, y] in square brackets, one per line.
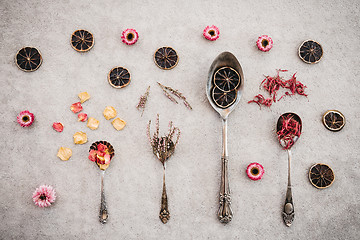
[76, 107]
[129, 36]
[82, 117]
[255, 171]
[264, 43]
[44, 196]
[211, 33]
[58, 126]
[25, 118]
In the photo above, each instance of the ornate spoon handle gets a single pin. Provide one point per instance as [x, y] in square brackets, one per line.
[225, 213]
[164, 211]
[288, 211]
[103, 215]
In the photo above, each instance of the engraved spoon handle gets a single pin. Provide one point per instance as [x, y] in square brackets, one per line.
[103, 215]
[288, 211]
[164, 214]
[225, 213]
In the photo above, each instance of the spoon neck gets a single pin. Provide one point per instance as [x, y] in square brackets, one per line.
[224, 138]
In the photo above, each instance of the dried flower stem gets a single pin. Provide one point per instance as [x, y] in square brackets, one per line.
[143, 100]
[177, 93]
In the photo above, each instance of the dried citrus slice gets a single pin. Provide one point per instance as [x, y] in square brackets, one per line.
[226, 79]
[119, 77]
[28, 59]
[166, 58]
[82, 40]
[321, 176]
[310, 51]
[334, 120]
[223, 99]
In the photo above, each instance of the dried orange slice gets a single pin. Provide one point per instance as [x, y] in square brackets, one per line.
[310, 51]
[321, 176]
[119, 77]
[28, 59]
[226, 79]
[333, 120]
[166, 58]
[82, 40]
[223, 99]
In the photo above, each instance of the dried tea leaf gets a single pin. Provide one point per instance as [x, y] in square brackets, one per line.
[64, 153]
[84, 96]
[80, 138]
[118, 124]
[109, 112]
[92, 123]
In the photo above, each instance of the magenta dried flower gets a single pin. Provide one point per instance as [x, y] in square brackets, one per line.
[25, 118]
[211, 33]
[129, 36]
[264, 43]
[44, 196]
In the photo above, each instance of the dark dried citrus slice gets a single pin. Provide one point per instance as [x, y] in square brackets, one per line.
[119, 77]
[82, 40]
[223, 99]
[166, 58]
[310, 51]
[28, 59]
[321, 176]
[333, 120]
[226, 79]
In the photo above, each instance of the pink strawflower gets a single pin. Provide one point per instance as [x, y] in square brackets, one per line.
[76, 107]
[264, 43]
[211, 33]
[129, 36]
[44, 196]
[82, 117]
[255, 171]
[58, 126]
[25, 118]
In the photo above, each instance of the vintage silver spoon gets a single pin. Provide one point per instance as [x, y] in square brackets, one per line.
[288, 210]
[103, 214]
[225, 59]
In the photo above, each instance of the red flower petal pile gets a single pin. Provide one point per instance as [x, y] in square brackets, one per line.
[101, 155]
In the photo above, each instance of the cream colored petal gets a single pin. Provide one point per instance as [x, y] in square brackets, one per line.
[118, 124]
[109, 112]
[92, 123]
[64, 153]
[84, 96]
[80, 138]
[103, 166]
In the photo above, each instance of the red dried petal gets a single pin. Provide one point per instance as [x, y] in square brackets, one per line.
[58, 126]
[82, 117]
[92, 155]
[76, 107]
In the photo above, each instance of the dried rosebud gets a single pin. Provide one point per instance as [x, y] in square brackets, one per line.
[92, 123]
[118, 124]
[76, 107]
[109, 112]
[82, 117]
[64, 153]
[84, 96]
[58, 126]
[80, 138]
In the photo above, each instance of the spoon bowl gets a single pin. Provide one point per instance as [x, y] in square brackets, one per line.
[280, 122]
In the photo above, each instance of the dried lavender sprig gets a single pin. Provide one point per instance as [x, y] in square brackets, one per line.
[170, 97]
[143, 100]
[178, 137]
[177, 93]
[148, 134]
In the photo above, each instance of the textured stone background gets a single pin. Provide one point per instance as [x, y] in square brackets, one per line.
[134, 179]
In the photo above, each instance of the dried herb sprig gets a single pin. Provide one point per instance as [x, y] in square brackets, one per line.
[176, 93]
[143, 100]
[164, 146]
[290, 128]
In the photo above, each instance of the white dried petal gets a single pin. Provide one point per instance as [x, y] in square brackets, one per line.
[118, 124]
[80, 138]
[109, 112]
[93, 123]
[64, 153]
[84, 96]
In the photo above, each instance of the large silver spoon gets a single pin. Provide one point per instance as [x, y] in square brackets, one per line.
[225, 59]
[288, 210]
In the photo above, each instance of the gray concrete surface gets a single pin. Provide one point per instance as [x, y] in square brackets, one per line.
[134, 179]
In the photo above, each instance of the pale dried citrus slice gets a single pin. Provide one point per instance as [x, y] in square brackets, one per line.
[223, 99]
[226, 79]
[166, 58]
[28, 59]
[82, 40]
[119, 77]
[310, 51]
[321, 176]
[333, 120]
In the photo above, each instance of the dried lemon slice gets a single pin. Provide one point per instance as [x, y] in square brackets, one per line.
[82, 40]
[28, 59]
[226, 79]
[119, 77]
[321, 176]
[64, 153]
[333, 120]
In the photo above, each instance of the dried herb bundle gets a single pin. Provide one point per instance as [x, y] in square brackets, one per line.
[168, 90]
[143, 100]
[290, 128]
